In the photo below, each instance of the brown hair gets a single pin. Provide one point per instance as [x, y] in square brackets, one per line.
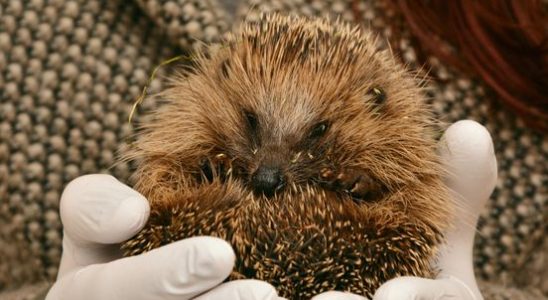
[503, 42]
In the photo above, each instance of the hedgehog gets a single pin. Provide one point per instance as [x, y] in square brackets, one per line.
[308, 148]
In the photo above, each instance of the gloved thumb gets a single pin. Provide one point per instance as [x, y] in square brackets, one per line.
[98, 209]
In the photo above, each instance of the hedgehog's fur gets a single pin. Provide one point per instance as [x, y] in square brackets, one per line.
[363, 200]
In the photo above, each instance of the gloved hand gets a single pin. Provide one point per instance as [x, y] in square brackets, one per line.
[98, 212]
[467, 153]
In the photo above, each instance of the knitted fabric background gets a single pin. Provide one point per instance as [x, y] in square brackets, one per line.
[71, 70]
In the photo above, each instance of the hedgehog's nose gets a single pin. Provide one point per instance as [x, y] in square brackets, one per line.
[267, 180]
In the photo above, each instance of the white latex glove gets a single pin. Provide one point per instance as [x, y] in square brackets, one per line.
[98, 212]
[467, 153]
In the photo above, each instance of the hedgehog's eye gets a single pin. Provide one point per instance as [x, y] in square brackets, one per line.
[318, 130]
[378, 95]
[252, 120]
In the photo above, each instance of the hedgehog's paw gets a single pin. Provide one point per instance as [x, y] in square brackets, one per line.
[360, 185]
[216, 167]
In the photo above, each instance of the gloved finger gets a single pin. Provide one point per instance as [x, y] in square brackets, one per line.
[98, 209]
[336, 295]
[415, 288]
[467, 153]
[180, 270]
[247, 289]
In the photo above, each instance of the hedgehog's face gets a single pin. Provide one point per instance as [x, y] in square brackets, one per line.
[289, 137]
[279, 147]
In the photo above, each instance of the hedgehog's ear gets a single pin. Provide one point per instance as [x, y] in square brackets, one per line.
[377, 96]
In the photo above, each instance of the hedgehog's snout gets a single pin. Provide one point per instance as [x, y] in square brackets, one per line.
[267, 180]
